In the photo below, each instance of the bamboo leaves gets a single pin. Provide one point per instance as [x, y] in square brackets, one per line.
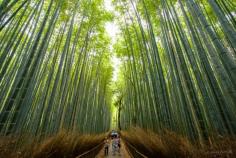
[186, 72]
[49, 81]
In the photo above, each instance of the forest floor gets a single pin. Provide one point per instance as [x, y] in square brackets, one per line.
[122, 154]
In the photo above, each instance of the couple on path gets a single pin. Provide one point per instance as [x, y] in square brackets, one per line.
[115, 144]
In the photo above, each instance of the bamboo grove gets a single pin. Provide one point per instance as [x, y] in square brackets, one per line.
[179, 67]
[54, 67]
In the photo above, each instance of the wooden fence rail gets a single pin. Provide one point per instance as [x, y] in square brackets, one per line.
[133, 151]
[92, 153]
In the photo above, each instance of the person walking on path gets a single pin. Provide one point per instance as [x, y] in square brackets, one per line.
[106, 147]
[118, 143]
[114, 146]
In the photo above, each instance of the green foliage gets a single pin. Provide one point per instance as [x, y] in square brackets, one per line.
[178, 66]
[55, 69]
[173, 67]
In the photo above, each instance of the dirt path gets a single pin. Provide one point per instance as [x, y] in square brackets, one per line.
[123, 152]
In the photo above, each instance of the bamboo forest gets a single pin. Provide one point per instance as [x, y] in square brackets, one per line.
[160, 75]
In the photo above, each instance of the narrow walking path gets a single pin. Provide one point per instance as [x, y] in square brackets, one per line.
[123, 152]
